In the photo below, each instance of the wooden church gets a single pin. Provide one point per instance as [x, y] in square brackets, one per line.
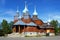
[31, 26]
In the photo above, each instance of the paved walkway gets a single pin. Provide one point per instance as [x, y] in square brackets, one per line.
[31, 38]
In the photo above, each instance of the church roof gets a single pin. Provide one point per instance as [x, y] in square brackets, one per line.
[20, 23]
[45, 25]
[32, 24]
[38, 22]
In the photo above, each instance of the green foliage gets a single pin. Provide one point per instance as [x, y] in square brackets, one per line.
[54, 23]
[1, 32]
[6, 27]
[47, 34]
[59, 29]
[11, 24]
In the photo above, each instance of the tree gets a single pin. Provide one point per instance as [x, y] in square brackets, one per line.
[1, 32]
[54, 23]
[11, 24]
[5, 27]
[59, 30]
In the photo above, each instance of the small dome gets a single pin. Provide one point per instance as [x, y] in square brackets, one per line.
[35, 12]
[25, 10]
[17, 9]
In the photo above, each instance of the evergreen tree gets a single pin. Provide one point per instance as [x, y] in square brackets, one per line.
[54, 23]
[11, 24]
[1, 32]
[59, 30]
[6, 27]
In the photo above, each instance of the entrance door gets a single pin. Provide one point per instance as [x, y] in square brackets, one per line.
[17, 30]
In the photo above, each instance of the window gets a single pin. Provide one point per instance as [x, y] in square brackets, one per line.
[31, 33]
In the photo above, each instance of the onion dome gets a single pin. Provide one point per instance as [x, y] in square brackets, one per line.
[35, 18]
[25, 9]
[17, 12]
[35, 12]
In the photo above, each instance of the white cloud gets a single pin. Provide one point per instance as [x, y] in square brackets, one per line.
[6, 18]
[8, 12]
[8, 15]
[55, 17]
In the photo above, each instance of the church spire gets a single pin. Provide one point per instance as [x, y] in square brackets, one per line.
[17, 10]
[25, 9]
[35, 12]
[35, 15]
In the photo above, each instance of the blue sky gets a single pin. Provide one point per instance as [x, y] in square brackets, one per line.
[46, 9]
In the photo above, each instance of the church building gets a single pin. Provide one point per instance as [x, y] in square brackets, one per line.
[31, 26]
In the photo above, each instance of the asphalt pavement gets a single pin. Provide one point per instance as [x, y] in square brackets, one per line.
[31, 38]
